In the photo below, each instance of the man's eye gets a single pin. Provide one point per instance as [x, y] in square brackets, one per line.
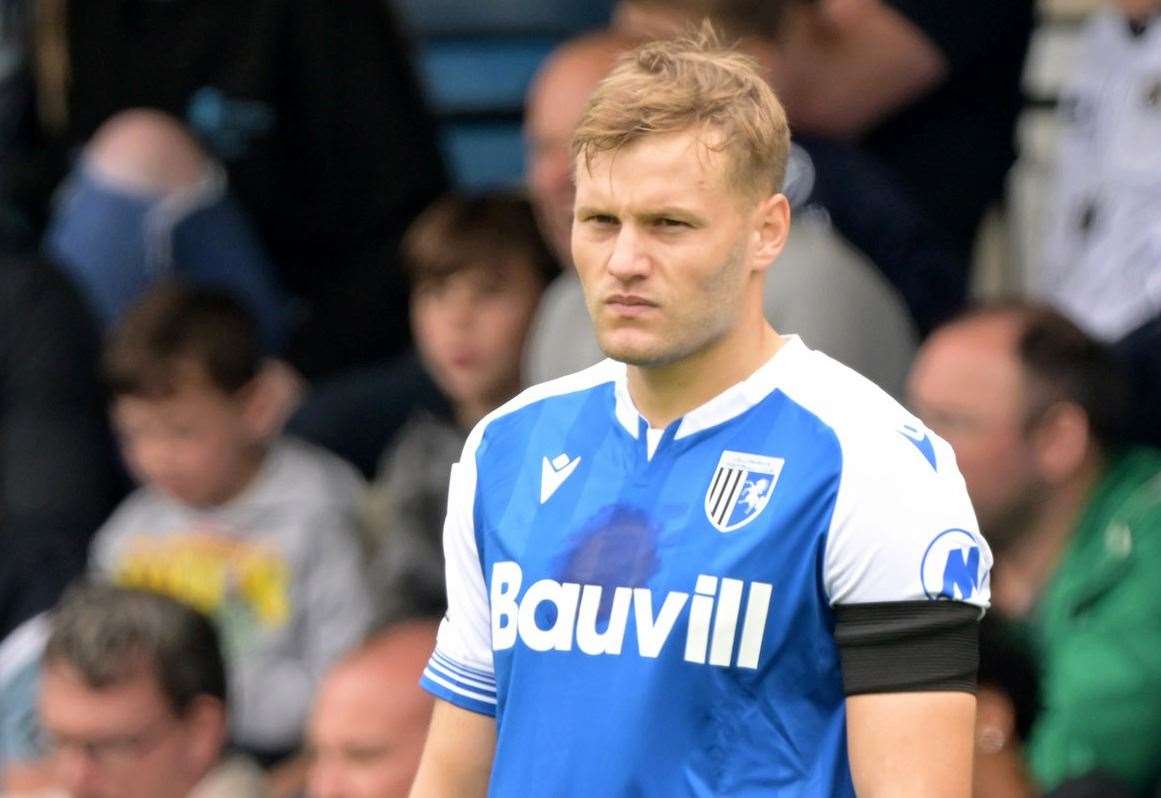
[673, 223]
[601, 218]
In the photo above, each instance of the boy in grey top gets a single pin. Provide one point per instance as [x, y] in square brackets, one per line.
[477, 267]
[253, 529]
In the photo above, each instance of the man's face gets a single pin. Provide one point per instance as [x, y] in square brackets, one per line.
[366, 735]
[193, 445]
[470, 329]
[967, 386]
[660, 243]
[556, 103]
[122, 741]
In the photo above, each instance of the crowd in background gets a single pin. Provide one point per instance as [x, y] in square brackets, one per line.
[248, 318]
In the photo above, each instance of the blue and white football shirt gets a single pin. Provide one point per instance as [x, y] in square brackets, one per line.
[653, 612]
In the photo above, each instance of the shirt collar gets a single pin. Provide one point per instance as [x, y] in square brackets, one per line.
[729, 404]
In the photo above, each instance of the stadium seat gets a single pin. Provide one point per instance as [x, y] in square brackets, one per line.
[475, 61]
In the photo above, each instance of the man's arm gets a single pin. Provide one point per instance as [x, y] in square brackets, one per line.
[911, 744]
[843, 65]
[461, 741]
[457, 759]
[908, 574]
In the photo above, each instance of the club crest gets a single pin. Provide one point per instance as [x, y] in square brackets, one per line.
[740, 489]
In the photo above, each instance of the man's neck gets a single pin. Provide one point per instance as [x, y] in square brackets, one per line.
[665, 393]
[1025, 567]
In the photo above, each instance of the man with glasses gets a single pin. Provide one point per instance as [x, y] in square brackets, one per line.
[133, 700]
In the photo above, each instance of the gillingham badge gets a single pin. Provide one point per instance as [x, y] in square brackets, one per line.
[740, 489]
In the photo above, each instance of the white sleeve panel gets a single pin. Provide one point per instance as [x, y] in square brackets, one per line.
[461, 669]
[903, 527]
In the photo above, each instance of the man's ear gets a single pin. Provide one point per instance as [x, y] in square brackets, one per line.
[1063, 441]
[771, 229]
[271, 398]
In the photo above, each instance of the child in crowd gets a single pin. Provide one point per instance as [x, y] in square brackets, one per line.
[254, 529]
[477, 267]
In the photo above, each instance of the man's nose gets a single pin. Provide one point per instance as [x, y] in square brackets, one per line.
[628, 259]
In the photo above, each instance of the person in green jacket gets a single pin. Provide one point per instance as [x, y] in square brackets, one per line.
[1033, 407]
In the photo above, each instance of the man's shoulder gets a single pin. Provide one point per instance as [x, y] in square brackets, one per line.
[558, 397]
[874, 432]
[852, 405]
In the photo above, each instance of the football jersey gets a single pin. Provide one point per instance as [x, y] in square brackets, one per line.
[652, 612]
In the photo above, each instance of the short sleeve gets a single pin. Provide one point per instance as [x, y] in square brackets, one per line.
[906, 568]
[903, 527]
[461, 669]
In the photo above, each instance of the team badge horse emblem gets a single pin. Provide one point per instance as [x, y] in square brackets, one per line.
[740, 489]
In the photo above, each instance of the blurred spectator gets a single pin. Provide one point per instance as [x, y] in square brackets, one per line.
[255, 529]
[370, 719]
[806, 48]
[311, 108]
[561, 340]
[133, 700]
[931, 89]
[147, 202]
[1102, 254]
[1033, 408]
[478, 267]
[58, 479]
[822, 288]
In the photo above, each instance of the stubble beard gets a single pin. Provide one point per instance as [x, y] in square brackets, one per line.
[694, 332]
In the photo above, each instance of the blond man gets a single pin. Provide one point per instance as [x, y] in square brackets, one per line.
[717, 562]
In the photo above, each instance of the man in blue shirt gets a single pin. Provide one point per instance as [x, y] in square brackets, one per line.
[718, 563]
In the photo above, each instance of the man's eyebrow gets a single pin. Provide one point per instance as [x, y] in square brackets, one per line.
[593, 209]
[672, 211]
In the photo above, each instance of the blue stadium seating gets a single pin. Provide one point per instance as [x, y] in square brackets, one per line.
[475, 60]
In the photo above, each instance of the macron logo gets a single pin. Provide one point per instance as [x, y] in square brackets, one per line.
[918, 436]
[554, 472]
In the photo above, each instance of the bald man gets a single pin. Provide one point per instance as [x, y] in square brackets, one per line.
[1031, 405]
[370, 720]
[554, 105]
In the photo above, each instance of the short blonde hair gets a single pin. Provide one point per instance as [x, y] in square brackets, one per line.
[690, 83]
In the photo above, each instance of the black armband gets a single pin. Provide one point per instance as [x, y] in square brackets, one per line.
[908, 646]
